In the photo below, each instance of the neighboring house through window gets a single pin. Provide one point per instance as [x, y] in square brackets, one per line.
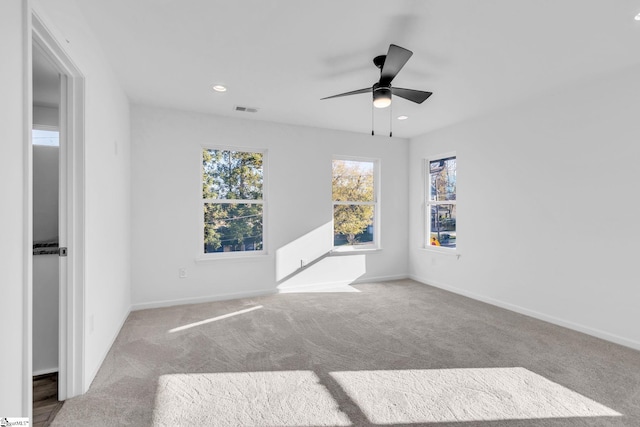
[440, 203]
[233, 200]
[355, 203]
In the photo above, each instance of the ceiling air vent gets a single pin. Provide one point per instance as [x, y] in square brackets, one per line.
[245, 109]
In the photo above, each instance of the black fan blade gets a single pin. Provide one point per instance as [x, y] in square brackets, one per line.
[396, 58]
[353, 92]
[417, 96]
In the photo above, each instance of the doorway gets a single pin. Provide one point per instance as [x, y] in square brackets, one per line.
[46, 163]
[45, 138]
[57, 94]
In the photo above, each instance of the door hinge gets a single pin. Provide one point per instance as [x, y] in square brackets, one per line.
[62, 252]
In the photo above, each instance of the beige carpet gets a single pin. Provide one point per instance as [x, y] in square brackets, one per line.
[396, 353]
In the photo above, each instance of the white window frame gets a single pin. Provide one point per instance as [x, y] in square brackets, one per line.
[204, 256]
[426, 218]
[376, 244]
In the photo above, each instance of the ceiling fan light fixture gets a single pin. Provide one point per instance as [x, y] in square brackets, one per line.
[381, 97]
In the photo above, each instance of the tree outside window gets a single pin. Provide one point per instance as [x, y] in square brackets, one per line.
[233, 200]
[354, 203]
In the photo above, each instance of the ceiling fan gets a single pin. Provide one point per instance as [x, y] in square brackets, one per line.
[389, 65]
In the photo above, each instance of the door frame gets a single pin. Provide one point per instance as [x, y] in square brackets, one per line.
[71, 215]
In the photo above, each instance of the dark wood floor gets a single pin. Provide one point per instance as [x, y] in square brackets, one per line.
[45, 399]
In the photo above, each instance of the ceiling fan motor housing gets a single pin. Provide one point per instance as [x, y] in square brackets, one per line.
[382, 89]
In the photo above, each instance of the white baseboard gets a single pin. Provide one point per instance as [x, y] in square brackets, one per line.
[535, 314]
[196, 300]
[248, 294]
[90, 378]
[319, 287]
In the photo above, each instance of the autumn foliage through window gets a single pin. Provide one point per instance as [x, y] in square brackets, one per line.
[441, 203]
[354, 202]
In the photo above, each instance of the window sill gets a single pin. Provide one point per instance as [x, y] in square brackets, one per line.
[235, 257]
[345, 251]
[442, 251]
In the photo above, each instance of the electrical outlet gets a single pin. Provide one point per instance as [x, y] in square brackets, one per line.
[182, 273]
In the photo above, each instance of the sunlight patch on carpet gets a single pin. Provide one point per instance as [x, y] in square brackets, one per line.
[281, 398]
[463, 395]
[213, 319]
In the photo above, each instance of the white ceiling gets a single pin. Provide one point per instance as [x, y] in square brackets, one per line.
[282, 56]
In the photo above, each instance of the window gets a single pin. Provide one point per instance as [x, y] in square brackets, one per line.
[45, 136]
[355, 203]
[440, 212]
[233, 200]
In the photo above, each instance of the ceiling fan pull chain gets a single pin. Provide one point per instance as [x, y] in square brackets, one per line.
[372, 134]
[390, 120]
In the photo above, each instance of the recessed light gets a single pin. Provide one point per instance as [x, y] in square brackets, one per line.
[403, 117]
[637, 18]
[219, 88]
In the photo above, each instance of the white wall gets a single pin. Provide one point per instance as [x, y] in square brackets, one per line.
[45, 313]
[45, 116]
[167, 204]
[547, 210]
[45, 193]
[13, 251]
[107, 192]
[45, 267]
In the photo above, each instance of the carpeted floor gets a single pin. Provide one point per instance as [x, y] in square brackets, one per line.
[396, 353]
